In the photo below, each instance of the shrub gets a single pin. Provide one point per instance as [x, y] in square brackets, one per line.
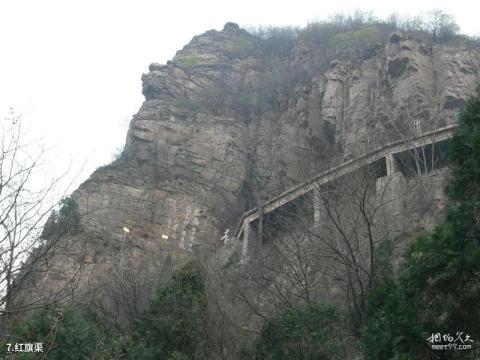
[65, 220]
[366, 33]
[304, 332]
[174, 324]
[276, 41]
[438, 289]
[186, 61]
[65, 334]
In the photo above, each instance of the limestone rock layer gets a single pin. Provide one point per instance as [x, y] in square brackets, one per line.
[226, 123]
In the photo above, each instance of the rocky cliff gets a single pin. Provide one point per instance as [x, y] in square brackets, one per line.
[230, 121]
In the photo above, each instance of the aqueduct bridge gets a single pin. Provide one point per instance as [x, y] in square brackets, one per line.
[384, 153]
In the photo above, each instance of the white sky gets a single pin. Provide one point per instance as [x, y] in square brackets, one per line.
[73, 68]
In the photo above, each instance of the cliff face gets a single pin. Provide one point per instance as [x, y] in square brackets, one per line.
[226, 123]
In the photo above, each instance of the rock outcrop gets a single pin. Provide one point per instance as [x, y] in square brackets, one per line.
[225, 124]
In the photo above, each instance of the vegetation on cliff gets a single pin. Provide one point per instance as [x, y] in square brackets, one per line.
[65, 334]
[175, 323]
[305, 332]
[172, 327]
[272, 310]
[332, 39]
[65, 220]
[438, 289]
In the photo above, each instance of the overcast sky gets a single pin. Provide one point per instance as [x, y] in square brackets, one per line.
[73, 68]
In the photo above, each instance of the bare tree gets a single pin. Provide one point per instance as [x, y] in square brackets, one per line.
[442, 26]
[123, 293]
[302, 258]
[25, 204]
[326, 244]
[348, 234]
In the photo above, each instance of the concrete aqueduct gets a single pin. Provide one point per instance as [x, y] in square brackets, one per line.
[388, 157]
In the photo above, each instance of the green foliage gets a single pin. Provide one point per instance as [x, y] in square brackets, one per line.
[185, 61]
[304, 332]
[465, 155]
[392, 327]
[438, 289]
[66, 220]
[174, 324]
[366, 33]
[66, 334]
[69, 210]
[173, 327]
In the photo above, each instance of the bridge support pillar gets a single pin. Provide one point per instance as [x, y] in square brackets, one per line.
[391, 190]
[391, 164]
[316, 207]
[249, 238]
[392, 170]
